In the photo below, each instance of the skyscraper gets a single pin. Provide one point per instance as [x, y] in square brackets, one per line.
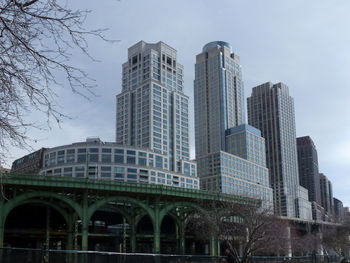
[338, 210]
[152, 109]
[326, 196]
[308, 173]
[271, 109]
[308, 167]
[230, 154]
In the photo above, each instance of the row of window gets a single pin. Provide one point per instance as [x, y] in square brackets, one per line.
[124, 174]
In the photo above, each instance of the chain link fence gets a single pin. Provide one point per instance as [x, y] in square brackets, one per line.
[24, 255]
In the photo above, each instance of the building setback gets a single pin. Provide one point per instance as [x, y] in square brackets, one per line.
[271, 109]
[230, 154]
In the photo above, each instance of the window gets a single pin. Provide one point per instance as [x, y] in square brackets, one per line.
[119, 151]
[60, 159]
[105, 171]
[118, 158]
[80, 171]
[159, 161]
[93, 150]
[81, 158]
[142, 161]
[131, 160]
[70, 157]
[93, 158]
[106, 158]
[68, 171]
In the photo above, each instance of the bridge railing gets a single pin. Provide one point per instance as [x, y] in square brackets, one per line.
[74, 182]
[21, 255]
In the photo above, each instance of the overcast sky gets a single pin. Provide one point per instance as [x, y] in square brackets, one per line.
[304, 44]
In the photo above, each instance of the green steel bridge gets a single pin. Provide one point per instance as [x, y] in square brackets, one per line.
[81, 201]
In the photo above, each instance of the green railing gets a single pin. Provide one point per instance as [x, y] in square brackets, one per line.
[109, 185]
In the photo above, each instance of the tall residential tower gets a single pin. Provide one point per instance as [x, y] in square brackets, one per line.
[271, 109]
[230, 154]
[152, 109]
[308, 173]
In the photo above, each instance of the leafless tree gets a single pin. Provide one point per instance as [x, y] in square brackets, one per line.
[36, 41]
[305, 243]
[337, 238]
[247, 230]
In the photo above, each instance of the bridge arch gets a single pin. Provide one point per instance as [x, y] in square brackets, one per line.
[54, 206]
[171, 206]
[25, 197]
[95, 206]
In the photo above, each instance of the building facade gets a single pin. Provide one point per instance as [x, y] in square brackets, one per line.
[308, 167]
[152, 140]
[302, 204]
[308, 172]
[152, 109]
[326, 196]
[30, 163]
[230, 154]
[271, 109]
[338, 210]
[111, 161]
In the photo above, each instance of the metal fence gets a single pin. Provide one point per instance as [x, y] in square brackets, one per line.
[24, 255]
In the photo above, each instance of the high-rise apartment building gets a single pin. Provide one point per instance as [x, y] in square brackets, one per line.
[309, 175]
[326, 196]
[338, 210]
[271, 109]
[152, 142]
[152, 109]
[308, 167]
[331, 200]
[230, 154]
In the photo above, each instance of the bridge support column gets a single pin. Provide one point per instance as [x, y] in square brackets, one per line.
[218, 251]
[70, 233]
[213, 246]
[182, 238]
[85, 224]
[1, 235]
[289, 240]
[133, 239]
[156, 229]
[2, 222]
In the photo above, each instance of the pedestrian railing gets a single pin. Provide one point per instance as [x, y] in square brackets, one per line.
[26, 255]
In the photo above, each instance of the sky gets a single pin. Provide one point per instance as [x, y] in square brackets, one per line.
[304, 44]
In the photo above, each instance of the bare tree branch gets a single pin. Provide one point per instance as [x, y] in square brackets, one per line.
[36, 38]
[247, 230]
